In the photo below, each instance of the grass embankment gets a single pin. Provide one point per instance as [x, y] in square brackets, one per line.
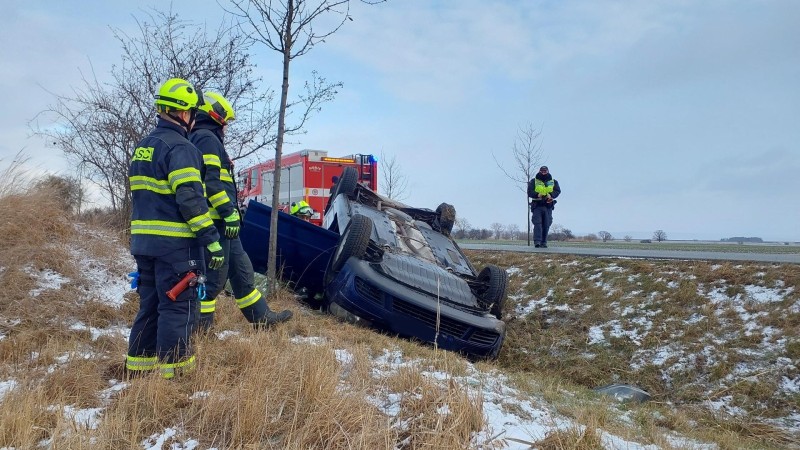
[716, 345]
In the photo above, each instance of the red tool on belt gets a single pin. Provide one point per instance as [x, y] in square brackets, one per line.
[190, 279]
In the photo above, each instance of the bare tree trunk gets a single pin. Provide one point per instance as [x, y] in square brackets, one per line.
[276, 187]
[528, 215]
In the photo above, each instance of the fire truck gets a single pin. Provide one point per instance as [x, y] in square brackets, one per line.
[305, 175]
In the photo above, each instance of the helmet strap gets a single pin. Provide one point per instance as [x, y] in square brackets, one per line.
[186, 125]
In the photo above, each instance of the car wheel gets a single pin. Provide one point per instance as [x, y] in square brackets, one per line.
[348, 181]
[494, 281]
[346, 185]
[447, 218]
[353, 242]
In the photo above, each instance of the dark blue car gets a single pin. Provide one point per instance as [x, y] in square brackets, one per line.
[393, 267]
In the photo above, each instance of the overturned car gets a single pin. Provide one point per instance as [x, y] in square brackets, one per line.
[390, 266]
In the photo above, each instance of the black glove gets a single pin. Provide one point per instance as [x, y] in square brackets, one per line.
[232, 225]
[217, 255]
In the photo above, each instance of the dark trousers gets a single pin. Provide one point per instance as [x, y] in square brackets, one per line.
[162, 326]
[239, 270]
[542, 218]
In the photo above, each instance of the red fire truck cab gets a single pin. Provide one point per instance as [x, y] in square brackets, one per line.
[305, 175]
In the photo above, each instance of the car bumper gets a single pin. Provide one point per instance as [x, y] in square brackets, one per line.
[387, 304]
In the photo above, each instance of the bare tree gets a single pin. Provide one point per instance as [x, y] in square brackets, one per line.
[513, 231]
[462, 227]
[628, 238]
[560, 233]
[393, 181]
[479, 233]
[591, 237]
[291, 28]
[605, 236]
[659, 236]
[527, 153]
[98, 125]
[498, 228]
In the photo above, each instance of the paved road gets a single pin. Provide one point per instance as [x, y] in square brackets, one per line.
[791, 258]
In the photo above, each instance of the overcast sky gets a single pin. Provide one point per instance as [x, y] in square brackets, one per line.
[682, 116]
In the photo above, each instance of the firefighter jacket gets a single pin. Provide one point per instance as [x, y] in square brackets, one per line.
[220, 188]
[169, 209]
[540, 187]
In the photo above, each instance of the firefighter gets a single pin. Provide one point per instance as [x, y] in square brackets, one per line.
[208, 136]
[301, 210]
[170, 230]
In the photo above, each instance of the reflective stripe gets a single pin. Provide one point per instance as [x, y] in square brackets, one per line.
[219, 199]
[139, 182]
[168, 370]
[208, 306]
[141, 362]
[214, 214]
[197, 223]
[186, 175]
[249, 299]
[224, 175]
[162, 228]
[211, 159]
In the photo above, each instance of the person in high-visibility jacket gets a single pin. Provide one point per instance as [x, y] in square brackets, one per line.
[208, 136]
[172, 235]
[542, 190]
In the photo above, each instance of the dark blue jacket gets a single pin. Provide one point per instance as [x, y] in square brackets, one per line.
[220, 189]
[537, 200]
[169, 209]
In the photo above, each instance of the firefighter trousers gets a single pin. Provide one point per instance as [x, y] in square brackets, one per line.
[160, 335]
[239, 270]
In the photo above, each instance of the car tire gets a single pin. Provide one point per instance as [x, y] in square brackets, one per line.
[447, 218]
[345, 185]
[353, 242]
[347, 182]
[493, 295]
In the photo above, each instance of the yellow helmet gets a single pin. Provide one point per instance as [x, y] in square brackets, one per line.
[177, 94]
[217, 108]
[301, 208]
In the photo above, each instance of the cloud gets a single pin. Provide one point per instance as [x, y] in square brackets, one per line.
[437, 54]
[757, 174]
[701, 42]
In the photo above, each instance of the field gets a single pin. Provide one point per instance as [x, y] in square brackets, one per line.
[698, 246]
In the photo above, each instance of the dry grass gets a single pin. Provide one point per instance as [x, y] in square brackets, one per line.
[573, 438]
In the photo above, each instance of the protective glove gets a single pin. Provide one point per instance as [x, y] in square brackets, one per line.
[217, 255]
[232, 225]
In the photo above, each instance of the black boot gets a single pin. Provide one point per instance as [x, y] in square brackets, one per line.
[261, 316]
[273, 317]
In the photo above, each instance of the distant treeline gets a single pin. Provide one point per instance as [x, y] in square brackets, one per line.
[742, 239]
